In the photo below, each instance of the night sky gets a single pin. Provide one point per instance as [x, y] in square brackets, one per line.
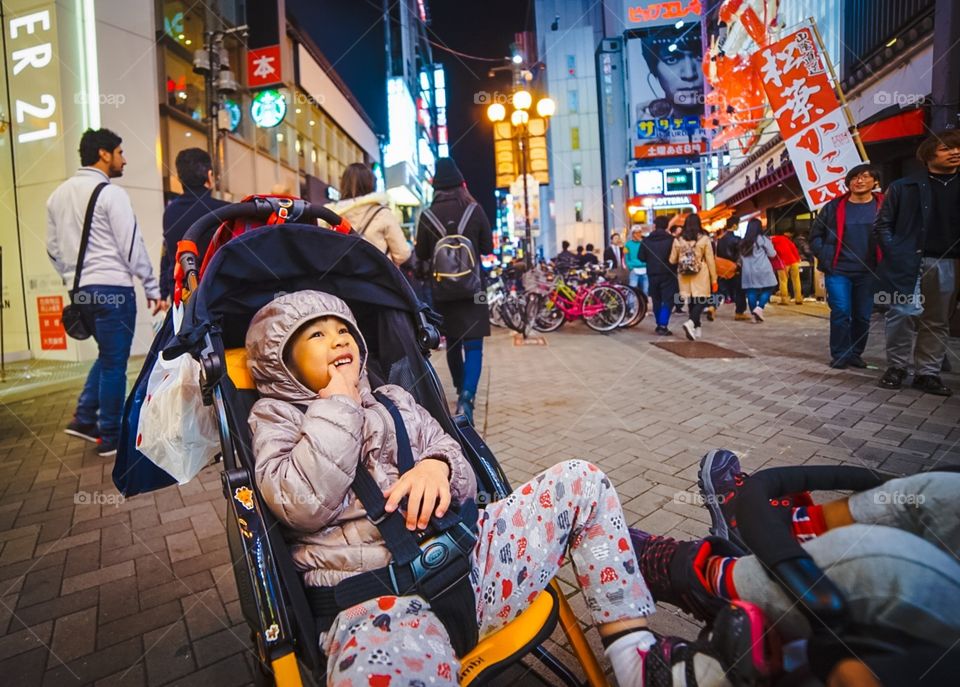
[351, 37]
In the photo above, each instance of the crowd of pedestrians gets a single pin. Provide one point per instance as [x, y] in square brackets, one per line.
[896, 252]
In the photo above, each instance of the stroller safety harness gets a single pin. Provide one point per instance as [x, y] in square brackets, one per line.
[436, 567]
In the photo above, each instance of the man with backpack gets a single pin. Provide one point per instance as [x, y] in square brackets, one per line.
[452, 234]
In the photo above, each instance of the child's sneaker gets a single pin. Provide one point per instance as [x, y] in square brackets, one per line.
[735, 650]
[675, 571]
[719, 479]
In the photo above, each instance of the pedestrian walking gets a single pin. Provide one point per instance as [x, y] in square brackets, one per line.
[788, 269]
[88, 204]
[638, 278]
[369, 212]
[466, 320]
[918, 231]
[728, 248]
[847, 254]
[757, 275]
[675, 226]
[655, 253]
[692, 253]
[195, 171]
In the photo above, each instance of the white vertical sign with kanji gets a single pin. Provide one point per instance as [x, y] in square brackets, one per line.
[794, 75]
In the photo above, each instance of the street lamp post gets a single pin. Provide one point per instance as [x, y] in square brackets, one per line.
[520, 117]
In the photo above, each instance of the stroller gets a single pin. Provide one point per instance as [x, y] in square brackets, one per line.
[242, 271]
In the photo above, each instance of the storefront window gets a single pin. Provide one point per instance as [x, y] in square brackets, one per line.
[184, 89]
[183, 23]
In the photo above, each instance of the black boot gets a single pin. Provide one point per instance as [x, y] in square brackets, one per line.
[465, 405]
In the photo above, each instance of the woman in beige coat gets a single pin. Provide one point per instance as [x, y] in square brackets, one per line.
[369, 214]
[692, 253]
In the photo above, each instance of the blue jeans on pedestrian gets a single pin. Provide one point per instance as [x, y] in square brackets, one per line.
[639, 281]
[465, 359]
[663, 292]
[850, 297]
[758, 298]
[113, 310]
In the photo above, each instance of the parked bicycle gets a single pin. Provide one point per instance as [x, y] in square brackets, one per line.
[601, 306]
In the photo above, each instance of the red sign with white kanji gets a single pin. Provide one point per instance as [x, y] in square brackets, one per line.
[794, 75]
[263, 67]
[53, 337]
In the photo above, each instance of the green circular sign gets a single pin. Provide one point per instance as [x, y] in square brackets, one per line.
[236, 114]
[268, 109]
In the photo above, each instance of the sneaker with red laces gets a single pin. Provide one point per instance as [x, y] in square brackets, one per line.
[675, 571]
[719, 479]
[736, 648]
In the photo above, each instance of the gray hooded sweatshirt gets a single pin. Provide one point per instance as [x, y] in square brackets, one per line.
[306, 462]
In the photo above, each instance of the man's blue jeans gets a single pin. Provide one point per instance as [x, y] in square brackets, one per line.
[113, 309]
[465, 358]
[850, 298]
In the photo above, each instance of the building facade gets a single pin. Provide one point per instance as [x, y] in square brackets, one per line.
[323, 131]
[573, 204]
[416, 106]
[62, 75]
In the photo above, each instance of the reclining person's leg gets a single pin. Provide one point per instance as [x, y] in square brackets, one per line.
[890, 578]
[926, 504]
[369, 643]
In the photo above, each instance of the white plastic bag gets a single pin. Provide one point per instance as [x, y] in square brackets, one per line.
[176, 431]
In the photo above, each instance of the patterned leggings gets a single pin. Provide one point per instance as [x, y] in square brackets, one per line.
[523, 540]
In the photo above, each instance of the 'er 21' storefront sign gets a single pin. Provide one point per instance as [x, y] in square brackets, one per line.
[31, 39]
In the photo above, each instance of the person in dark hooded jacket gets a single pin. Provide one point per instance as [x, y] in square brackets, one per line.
[655, 252]
[467, 321]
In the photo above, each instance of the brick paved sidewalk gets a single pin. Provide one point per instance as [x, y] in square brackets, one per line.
[96, 590]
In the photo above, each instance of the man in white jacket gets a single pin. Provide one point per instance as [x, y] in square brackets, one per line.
[115, 255]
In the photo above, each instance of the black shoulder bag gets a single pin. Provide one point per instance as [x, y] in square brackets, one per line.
[75, 320]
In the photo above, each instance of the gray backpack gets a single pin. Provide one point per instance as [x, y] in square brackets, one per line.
[455, 269]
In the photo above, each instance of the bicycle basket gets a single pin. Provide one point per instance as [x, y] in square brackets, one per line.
[537, 281]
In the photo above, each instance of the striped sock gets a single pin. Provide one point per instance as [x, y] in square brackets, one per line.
[808, 523]
[719, 576]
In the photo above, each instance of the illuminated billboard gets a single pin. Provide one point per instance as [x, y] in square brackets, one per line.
[666, 91]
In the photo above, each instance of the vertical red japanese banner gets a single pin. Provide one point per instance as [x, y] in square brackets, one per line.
[53, 337]
[795, 77]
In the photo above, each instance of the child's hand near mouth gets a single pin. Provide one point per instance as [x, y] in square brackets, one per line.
[344, 380]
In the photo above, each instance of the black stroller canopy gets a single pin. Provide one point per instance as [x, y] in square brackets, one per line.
[251, 270]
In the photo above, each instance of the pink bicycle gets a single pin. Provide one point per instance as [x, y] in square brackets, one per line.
[601, 307]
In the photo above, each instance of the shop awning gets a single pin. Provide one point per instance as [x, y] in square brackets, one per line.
[777, 176]
[901, 125]
[717, 213]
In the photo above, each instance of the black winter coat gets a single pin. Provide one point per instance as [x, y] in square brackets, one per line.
[464, 319]
[179, 214]
[728, 247]
[901, 230]
[655, 251]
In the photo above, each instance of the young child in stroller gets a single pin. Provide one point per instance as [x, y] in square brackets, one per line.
[305, 349]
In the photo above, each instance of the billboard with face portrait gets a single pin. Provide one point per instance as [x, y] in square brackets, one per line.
[666, 90]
